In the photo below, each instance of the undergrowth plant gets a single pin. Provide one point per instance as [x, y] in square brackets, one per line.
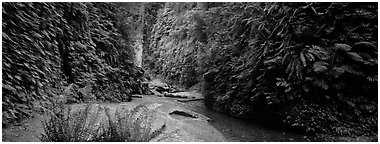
[132, 125]
[97, 124]
[66, 125]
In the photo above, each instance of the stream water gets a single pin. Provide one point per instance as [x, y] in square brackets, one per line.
[234, 129]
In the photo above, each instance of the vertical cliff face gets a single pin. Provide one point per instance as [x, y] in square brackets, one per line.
[177, 41]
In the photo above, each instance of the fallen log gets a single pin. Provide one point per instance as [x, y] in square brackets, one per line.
[136, 96]
[182, 113]
[189, 100]
[174, 95]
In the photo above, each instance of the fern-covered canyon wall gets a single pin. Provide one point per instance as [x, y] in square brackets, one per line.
[175, 42]
[88, 47]
[308, 66]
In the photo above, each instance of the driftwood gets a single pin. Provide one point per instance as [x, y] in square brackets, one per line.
[174, 95]
[136, 96]
[189, 100]
[182, 113]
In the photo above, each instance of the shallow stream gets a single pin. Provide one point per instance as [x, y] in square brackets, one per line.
[234, 129]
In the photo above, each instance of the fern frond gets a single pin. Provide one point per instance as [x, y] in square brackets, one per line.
[343, 47]
[293, 68]
[351, 70]
[303, 59]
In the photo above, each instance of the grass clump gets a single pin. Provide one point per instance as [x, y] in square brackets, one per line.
[98, 124]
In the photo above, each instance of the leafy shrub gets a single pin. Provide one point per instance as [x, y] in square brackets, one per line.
[89, 125]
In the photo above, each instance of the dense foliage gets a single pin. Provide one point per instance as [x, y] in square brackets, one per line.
[307, 66]
[48, 46]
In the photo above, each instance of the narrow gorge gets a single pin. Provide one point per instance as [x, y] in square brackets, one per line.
[190, 71]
